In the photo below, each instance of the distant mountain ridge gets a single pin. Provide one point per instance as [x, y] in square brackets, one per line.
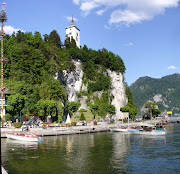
[164, 91]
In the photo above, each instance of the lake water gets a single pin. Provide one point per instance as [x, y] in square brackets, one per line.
[98, 153]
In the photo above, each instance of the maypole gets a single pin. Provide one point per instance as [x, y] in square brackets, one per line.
[3, 18]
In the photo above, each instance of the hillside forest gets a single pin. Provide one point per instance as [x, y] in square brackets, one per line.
[163, 91]
[34, 60]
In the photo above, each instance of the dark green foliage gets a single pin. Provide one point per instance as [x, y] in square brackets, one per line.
[145, 88]
[33, 62]
[73, 123]
[8, 117]
[102, 83]
[17, 125]
[130, 107]
[16, 103]
[71, 107]
[156, 112]
[101, 105]
[82, 110]
[82, 117]
[70, 44]
[46, 107]
[93, 60]
[54, 39]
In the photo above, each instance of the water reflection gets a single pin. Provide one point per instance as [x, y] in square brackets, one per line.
[21, 144]
[121, 146]
[93, 153]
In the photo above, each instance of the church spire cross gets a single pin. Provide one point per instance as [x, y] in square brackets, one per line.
[72, 20]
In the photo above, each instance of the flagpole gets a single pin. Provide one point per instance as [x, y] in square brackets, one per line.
[3, 18]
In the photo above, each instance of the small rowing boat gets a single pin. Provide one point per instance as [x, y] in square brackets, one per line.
[23, 137]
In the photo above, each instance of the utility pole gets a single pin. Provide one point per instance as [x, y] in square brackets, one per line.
[3, 18]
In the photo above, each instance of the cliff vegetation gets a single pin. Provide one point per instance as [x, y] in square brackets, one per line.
[33, 63]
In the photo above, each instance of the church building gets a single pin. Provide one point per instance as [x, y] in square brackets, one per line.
[72, 31]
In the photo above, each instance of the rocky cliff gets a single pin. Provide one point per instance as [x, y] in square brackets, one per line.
[73, 82]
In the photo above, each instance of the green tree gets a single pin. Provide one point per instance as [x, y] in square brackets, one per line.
[44, 91]
[54, 39]
[156, 112]
[82, 117]
[94, 109]
[60, 110]
[130, 107]
[15, 104]
[46, 107]
[73, 106]
[8, 117]
[150, 106]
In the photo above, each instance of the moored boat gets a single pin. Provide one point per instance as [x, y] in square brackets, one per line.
[118, 129]
[148, 132]
[23, 137]
[121, 129]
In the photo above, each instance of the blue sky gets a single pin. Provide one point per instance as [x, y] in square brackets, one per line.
[145, 33]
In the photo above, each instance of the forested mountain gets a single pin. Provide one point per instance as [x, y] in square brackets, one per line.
[33, 62]
[165, 92]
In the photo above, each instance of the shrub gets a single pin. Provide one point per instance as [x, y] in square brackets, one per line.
[17, 125]
[82, 117]
[111, 122]
[73, 123]
[82, 110]
[95, 122]
[8, 117]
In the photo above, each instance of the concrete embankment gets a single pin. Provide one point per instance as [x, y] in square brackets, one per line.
[53, 131]
[101, 127]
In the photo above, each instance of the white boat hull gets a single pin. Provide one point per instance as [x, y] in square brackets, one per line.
[154, 132]
[118, 130]
[23, 137]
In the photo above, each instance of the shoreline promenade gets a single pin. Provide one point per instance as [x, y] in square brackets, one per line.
[100, 127]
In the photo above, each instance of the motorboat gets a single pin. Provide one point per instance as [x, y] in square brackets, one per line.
[148, 132]
[23, 137]
[119, 129]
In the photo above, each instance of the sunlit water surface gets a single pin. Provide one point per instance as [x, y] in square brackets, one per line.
[107, 152]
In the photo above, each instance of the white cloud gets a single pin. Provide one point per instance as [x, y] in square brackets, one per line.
[69, 18]
[127, 17]
[76, 2]
[100, 12]
[9, 29]
[86, 7]
[127, 11]
[107, 27]
[172, 67]
[129, 44]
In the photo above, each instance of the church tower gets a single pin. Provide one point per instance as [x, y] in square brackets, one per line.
[72, 31]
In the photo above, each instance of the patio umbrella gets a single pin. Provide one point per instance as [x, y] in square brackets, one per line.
[68, 120]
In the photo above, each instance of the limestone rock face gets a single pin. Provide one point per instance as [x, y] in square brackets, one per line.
[117, 92]
[73, 83]
[72, 80]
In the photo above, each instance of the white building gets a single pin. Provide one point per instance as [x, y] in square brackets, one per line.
[72, 31]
